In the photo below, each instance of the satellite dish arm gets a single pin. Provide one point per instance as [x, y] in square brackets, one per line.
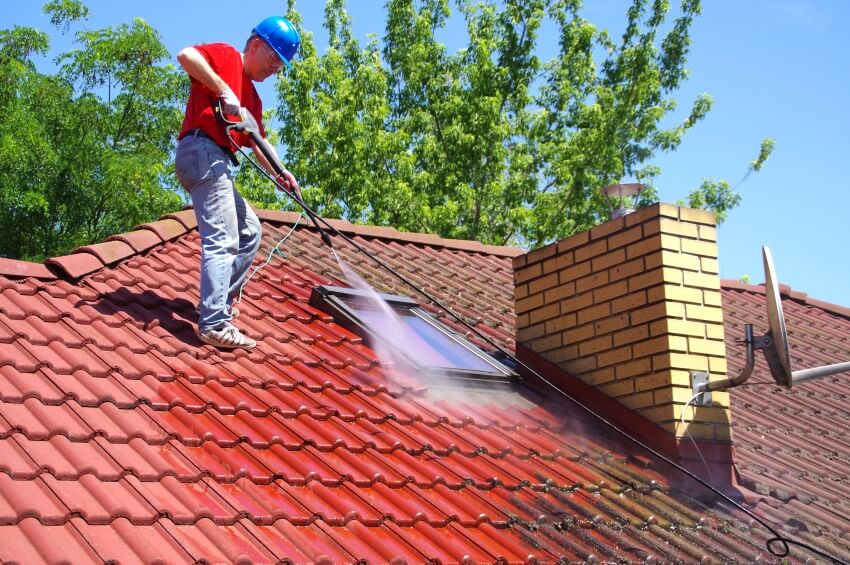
[745, 373]
[815, 372]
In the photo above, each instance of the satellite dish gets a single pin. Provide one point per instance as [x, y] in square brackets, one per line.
[776, 349]
[774, 344]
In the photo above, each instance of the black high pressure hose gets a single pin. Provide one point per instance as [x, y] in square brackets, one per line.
[249, 125]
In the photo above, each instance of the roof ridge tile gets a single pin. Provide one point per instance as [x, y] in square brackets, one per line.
[108, 252]
[787, 292]
[25, 269]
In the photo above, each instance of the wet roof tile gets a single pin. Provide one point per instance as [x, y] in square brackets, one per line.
[122, 437]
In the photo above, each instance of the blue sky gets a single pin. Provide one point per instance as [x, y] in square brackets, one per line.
[775, 68]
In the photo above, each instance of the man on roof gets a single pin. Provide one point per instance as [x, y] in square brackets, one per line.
[229, 229]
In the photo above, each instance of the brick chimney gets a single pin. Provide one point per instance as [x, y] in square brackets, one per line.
[632, 308]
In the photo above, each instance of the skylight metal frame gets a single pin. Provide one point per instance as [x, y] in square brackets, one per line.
[332, 300]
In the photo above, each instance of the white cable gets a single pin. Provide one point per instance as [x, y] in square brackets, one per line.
[274, 249]
[693, 441]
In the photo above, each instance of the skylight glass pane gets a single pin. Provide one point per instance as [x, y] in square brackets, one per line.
[422, 342]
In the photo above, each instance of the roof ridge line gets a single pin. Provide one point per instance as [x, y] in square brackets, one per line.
[87, 259]
[386, 232]
[787, 292]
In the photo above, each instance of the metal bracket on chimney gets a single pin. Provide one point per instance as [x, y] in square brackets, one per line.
[699, 380]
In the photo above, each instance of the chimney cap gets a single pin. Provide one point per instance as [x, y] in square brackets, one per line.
[618, 192]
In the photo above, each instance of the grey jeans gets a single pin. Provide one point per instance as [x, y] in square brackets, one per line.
[229, 229]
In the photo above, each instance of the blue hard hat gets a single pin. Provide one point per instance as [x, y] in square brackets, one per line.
[281, 36]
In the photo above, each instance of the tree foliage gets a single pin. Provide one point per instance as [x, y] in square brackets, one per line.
[489, 142]
[87, 152]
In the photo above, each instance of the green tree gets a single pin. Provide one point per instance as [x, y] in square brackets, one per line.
[490, 142]
[86, 152]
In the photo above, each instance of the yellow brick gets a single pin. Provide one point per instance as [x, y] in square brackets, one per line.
[522, 321]
[658, 413]
[561, 292]
[634, 368]
[542, 253]
[701, 248]
[546, 343]
[702, 414]
[610, 291]
[577, 303]
[688, 362]
[524, 335]
[529, 303]
[608, 260]
[711, 298]
[678, 343]
[594, 345]
[594, 313]
[581, 365]
[579, 334]
[697, 216]
[542, 283]
[707, 347]
[652, 381]
[650, 278]
[650, 347]
[520, 291]
[628, 269]
[686, 327]
[682, 229]
[708, 233]
[658, 327]
[720, 398]
[629, 302]
[675, 292]
[656, 311]
[599, 377]
[631, 235]
[591, 282]
[709, 265]
[527, 273]
[607, 228]
[704, 313]
[636, 401]
[647, 214]
[671, 243]
[560, 323]
[631, 335]
[562, 261]
[618, 388]
[714, 331]
[619, 355]
[545, 313]
[573, 241]
[722, 433]
[696, 430]
[672, 394]
[563, 355]
[702, 280]
[592, 250]
[679, 260]
[718, 366]
[611, 324]
[653, 244]
[575, 272]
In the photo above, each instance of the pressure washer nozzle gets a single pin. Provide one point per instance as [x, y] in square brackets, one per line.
[327, 239]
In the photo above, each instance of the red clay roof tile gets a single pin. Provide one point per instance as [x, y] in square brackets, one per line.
[125, 438]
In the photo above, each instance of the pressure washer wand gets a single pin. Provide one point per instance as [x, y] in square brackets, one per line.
[249, 125]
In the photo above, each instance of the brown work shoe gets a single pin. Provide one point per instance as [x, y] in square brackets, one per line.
[227, 337]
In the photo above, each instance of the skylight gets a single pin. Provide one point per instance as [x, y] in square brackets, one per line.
[414, 336]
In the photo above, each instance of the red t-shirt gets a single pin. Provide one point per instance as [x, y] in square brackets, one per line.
[226, 61]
